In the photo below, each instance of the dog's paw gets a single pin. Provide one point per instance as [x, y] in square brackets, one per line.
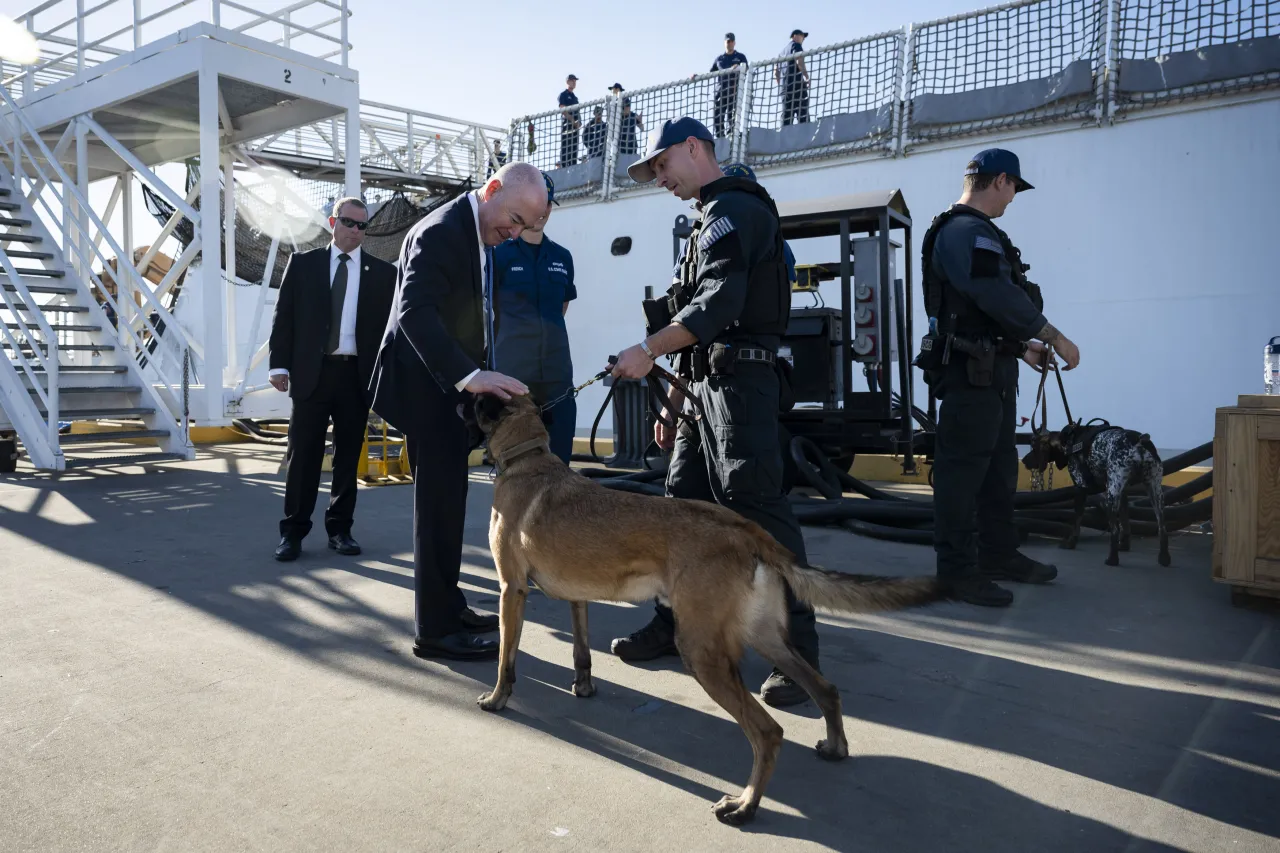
[494, 701]
[1164, 559]
[1112, 560]
[828, 752]
[1069, 544]
[584, 687]
[734, 811]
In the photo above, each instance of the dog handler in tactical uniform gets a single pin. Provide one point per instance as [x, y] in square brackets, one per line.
[983, 314]
[724, 316]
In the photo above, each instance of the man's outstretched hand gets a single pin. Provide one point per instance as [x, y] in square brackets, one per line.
[498, 384]
[632, 363]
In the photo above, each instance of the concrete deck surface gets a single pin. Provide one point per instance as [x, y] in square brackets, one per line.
[166, 685]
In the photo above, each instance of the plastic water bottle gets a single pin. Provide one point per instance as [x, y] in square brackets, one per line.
[1271, 366]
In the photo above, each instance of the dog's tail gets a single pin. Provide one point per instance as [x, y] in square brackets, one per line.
[846, 593]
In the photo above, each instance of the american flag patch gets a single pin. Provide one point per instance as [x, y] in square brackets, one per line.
[988, 244]
[722, 226]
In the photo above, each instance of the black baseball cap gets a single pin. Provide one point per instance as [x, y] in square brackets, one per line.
[673, 132]
[998, 161]
[729, 37]
[795, 33]
[571, 77]
[551, 189]
[617, 86]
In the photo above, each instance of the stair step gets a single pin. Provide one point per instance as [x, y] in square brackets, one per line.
[134, 459]
[3, 192]
[23, 253]
[105, 437]
[95, 414]
[17, 223]
[97, 389]
[48, 309]
[38, 272]
[43, 288]
[87, 368]
[26, 347]
[63, 327]
[20, 238]
[10, 205]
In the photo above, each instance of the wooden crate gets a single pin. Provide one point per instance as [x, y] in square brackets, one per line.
[1246, 496]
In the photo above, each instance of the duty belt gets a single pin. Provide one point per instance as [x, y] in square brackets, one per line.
[756, 354]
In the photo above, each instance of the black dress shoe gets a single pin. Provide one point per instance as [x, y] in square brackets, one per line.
[459, 646]
[288, 549]
[477, 623]
[344, 544]
[655, 640]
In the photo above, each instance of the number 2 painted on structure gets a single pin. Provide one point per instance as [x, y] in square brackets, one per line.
[288, 76]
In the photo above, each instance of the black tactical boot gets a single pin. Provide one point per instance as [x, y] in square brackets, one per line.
[655, 640]
[1019, 568]
[779, 691]
[980, 591]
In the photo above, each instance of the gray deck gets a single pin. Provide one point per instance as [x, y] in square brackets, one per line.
[165, 685]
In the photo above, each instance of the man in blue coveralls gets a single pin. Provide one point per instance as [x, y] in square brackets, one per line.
[532, 289]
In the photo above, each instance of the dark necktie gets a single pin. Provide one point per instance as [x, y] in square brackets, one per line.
[337, 296]
[490, 307]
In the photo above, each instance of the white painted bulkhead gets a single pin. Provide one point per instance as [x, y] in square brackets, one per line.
[1155, 241]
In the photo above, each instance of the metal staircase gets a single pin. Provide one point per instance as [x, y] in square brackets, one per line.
[64, 360]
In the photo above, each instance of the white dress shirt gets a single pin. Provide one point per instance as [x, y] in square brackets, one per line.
[475, 211]
[347, 328]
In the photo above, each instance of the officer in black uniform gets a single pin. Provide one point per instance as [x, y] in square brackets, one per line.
[726, 103]
[724, 317]
[983, 316]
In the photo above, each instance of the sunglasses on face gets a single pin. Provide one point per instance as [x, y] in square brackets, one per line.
[353, 223]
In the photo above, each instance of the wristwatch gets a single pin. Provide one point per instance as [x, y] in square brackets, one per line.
[644, 345]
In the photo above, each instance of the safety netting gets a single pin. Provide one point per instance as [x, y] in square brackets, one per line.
[826, 101]
[1016, 65]
[569, 143]
[1173, 50]
[701, 97]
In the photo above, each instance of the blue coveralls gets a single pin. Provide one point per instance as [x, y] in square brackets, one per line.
[531, 284]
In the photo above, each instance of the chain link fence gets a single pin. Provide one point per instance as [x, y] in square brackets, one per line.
[827, 101]
[1022, 64]
[1174, 50]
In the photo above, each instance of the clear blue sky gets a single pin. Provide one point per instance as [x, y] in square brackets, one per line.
[491, 62]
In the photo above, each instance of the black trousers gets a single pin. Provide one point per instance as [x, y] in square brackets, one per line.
[725, 109]
[438, 456]
[733, 458]
[339, 396]
[795, 100]
[568, 144]
[975, 470]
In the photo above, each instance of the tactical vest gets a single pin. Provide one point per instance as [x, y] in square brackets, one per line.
[767, 307]
[955, 312]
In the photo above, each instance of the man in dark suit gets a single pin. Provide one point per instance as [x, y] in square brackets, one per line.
[333, 306]
[428, 368]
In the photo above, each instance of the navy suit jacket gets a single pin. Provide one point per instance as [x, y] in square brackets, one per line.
[435, 332]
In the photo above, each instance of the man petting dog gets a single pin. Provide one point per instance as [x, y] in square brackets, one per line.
[724, 317]
[983, 313]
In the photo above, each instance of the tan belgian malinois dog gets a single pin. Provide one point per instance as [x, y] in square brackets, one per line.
[722, 575]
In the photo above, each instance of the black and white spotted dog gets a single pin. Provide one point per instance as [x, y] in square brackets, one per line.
[1106, 460]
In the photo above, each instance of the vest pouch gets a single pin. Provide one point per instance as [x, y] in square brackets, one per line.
[657, 315]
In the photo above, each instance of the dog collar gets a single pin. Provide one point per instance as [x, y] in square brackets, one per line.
[524, 448]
